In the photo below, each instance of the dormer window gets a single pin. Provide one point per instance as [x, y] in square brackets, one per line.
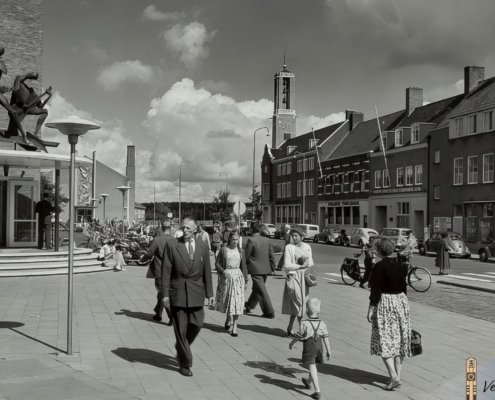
[290, 149]
[313, 143]
[399, 137]
[415, 134]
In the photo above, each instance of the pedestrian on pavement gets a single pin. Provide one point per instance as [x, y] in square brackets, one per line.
[186, 280]
[287, 239]
[297, 261]
[216, 240]
[201, 234]
[232, 282]
[260, 263]
[442, 260]
[44, 209]
[155, 254]
[369, 262]
[313, 333]
[389, 312]
[111, 257]
[408, 245]
[226, 231]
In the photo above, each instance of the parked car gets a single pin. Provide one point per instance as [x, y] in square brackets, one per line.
[270, 227]
[487, 252]
[396, 235]
[361, 236]
[457, 248]
[309, 231]
[327, 235]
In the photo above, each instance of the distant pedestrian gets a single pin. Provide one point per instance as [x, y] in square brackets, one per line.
[111, 256]
[443, 261]
[298, 259]
[260, 263]
[226, 231]
[44, 209]
[389, 312]
[186, 280]
[369, 262]
[201, 234]
[232, 282]
[314, 334]
[216, 240]
[155, 254]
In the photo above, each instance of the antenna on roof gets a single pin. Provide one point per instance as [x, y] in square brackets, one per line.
[381, 141]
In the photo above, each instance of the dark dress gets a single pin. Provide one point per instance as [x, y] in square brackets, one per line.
[443, 261]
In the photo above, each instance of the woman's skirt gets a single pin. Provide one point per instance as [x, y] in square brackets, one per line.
[295, 295]
[233, 296]
[391, 327]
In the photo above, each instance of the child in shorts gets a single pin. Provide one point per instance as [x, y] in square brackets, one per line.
[313, 333]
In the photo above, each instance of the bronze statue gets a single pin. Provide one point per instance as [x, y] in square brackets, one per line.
[24, 101]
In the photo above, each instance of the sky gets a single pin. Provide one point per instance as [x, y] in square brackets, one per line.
[189, 81]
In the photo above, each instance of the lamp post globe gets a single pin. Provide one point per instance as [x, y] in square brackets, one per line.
[123, 189]
[72, 127]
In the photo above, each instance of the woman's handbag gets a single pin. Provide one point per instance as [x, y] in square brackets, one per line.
[416, 347]
[310, 280]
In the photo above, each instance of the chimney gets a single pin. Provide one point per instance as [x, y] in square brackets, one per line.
[472, 77]
[354, 118]
[414, 99]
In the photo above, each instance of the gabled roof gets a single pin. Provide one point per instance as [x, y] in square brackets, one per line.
[301, 142]
[483, 96]
[364, 137]
[433, 112]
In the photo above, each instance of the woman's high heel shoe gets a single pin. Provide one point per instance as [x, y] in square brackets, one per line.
[227, 325]
[393, 384]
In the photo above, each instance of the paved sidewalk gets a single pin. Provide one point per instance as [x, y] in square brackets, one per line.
[120, 353]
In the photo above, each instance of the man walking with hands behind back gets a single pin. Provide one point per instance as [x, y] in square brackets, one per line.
[260, 262]
[186, 281]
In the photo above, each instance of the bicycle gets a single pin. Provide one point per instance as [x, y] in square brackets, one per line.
[350, 271]
[419, 278]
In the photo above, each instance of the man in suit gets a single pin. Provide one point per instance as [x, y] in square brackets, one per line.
[155, 254]
[44, 209]
[260, 263]
[186, 281]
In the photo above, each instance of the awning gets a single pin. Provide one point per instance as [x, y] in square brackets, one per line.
[34, 159]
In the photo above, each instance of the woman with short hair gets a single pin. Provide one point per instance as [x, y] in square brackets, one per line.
[389, 312]
[297, 259]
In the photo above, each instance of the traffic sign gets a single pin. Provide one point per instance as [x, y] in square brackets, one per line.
[239, 208]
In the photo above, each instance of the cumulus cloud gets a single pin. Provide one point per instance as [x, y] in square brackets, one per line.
[214, 132]
[95, 51]
[189, 41]
[113, 76]
[399, 33]
[151, 13]
[442, 92]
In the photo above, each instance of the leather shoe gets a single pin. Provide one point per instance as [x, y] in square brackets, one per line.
[157, 317]
[185, 371]
[170, 323]
[269, 316]
[247, 310]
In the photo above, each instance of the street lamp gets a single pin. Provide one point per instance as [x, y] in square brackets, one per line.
[227, 175]
[73, 127]
[123, 189]
[93, 208]
[180, 187]
[104, 197]
[254, 152]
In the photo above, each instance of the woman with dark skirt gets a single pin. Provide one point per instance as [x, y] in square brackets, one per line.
[389, 313]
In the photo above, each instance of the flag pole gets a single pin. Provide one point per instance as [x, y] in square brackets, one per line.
[381, 142]
[317, 154]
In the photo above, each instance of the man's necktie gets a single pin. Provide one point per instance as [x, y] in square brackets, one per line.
[190, 249]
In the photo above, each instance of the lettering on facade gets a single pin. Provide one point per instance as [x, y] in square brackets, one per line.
[399, 190]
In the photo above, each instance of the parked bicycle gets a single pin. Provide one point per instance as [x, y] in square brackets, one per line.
[418, 278]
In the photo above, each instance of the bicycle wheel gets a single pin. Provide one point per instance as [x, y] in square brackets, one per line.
[419, 279]
[346, 278]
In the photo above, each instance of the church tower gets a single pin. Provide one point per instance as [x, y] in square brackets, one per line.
[284, 112]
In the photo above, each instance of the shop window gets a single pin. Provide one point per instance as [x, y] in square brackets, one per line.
[338, 215]
[471, 229]
[403, 214]
[356, 215]
[347, 215]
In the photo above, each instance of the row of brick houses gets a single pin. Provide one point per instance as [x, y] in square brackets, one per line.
[433, 166]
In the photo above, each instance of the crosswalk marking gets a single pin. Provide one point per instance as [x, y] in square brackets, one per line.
[328, 279]
[482, 275]
[468, 278]
[332, 274]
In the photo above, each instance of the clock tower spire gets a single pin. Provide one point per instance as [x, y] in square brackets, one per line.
[284, 113]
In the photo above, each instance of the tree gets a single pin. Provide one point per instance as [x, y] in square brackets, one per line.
[48, 187]
[222, 206]
[258, 209]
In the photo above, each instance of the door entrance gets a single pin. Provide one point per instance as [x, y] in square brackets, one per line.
[3, 213]
[22, 224]
[380, 218]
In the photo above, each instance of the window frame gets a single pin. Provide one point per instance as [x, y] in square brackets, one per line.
[492, 168]
[436, 160]
[436, 192]
[415, 134]
[470, 164]
[400, 174]
[458, 182]
[409, 173]
[399, 134]
[420, 174]
[385, 178]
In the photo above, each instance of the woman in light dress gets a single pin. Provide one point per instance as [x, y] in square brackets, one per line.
[297, 260]
[232, 282]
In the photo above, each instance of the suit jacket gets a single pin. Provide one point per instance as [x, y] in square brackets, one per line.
[186, 283]
[156, 252]
[259, 255]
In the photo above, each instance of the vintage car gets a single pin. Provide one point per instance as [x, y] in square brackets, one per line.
[457, 246]
[327, 235]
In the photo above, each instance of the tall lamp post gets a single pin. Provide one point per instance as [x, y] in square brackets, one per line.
[104, 197]
[123, 189]
[73, 127]
[254, 156]
[180, 188]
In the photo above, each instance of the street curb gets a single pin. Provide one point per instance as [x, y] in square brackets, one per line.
[462, 285]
